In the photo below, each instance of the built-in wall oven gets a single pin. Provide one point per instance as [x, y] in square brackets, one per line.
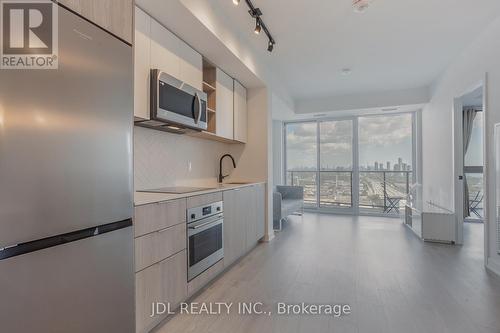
[205, 237]
[176, 103]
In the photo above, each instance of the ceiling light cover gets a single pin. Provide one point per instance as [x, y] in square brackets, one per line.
[361, 5]
[236, 2]
[346, 71]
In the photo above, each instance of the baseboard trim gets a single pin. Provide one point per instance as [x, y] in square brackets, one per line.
[267, 238]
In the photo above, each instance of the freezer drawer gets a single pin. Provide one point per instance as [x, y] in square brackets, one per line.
[82, 286]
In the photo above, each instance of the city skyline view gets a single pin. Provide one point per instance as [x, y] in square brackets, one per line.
[382, 139]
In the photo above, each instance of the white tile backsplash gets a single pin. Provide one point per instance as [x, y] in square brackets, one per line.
[162, 159]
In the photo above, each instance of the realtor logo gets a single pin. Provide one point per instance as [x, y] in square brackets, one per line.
[28, 34]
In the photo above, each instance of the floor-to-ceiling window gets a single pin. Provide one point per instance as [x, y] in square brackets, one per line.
[336, 163]
[301, 142]
[361, 164]
[385, 162]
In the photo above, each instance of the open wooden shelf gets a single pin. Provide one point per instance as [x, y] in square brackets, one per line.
[209, 87]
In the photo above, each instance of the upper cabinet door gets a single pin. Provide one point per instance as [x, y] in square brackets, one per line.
[142, 53]
[191, 63]
[113, 15]
[165, 50]
[224, 101]
[240, 112]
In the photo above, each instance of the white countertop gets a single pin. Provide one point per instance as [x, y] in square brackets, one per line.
[145, 198]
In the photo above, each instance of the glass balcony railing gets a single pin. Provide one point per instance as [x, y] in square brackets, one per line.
[476, 196]
[384, 191]
[379, 191]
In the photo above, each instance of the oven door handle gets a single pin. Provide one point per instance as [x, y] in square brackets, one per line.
[203, 225]
[215, 220]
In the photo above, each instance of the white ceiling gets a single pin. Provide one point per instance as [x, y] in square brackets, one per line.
[394, 45]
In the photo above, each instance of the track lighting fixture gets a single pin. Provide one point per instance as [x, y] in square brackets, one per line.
[256, 13]
[258, 28]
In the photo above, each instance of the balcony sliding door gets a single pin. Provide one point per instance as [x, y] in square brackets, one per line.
[335, 157]
[385, 162]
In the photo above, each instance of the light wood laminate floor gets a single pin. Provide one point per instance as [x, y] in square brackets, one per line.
[392, 281]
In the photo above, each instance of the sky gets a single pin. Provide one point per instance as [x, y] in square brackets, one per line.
[381, 139]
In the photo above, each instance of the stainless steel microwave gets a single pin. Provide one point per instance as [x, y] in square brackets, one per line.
[177, 103]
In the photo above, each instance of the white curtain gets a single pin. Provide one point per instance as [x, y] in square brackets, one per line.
[468, 123]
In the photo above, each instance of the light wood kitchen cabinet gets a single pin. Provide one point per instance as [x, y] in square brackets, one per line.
[234, 225]
[148, 289]
[260, 210]
[224, 101]
[204, 199]
[156, 246]
[191, 66]
[142, 54]
[255, 214]
[244, 220]
[173, 279]
[158, 216]
[160, 258]
[162, 282]
[165, 50]
[240, 112]
[115, 16]
[156, 47]
[173, 56]
[250, 217]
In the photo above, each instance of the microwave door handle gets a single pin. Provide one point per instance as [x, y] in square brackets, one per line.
[197, 111]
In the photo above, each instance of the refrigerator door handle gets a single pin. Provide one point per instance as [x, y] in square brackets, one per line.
[40, 244]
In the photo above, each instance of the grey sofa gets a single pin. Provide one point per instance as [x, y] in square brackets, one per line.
[287, 200]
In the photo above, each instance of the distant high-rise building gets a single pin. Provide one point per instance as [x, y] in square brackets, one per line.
[403, 167]
[376, 166]
[400, 164]
[388, 166]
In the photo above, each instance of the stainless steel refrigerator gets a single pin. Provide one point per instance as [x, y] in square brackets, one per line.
[66, 241]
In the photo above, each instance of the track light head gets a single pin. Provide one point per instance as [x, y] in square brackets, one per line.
[258, 27]
[236, 2]
[270, 46]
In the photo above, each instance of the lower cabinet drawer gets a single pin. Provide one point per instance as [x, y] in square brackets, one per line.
[147, 291]
[156, 246]
[157, 216]
[164, 282]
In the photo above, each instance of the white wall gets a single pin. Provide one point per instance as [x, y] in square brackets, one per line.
[463, 74]
[162, 159]
[363, 101]
[278, 152]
